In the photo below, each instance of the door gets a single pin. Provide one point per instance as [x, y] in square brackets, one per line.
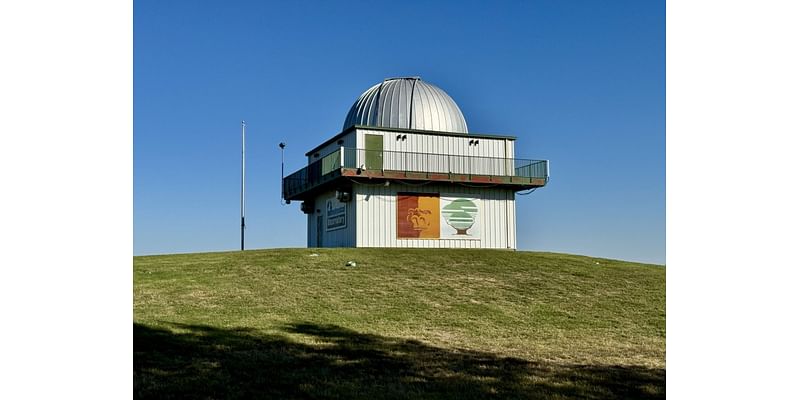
[319, 230]
[373, 157]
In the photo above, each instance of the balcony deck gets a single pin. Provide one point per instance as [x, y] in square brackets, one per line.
[367, 165]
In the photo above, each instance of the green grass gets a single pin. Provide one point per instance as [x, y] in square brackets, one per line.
[403, 323]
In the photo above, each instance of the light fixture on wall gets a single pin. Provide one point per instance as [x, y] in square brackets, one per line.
[343, 196]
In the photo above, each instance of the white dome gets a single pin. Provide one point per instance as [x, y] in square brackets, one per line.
[407, 103]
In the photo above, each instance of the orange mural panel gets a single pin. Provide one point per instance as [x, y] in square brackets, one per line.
[417, 216]
[430, 221]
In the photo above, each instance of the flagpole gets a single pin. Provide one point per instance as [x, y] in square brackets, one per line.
[241, 196]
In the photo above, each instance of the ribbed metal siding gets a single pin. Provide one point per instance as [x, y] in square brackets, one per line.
[450, 145]
[311, 232]
[407, 103]
[344, 237]
[376, 208]
[348, 140]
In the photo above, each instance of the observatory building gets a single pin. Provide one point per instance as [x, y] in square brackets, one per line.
[405, 172]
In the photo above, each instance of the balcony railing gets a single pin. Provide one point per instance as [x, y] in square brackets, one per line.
[324, 169]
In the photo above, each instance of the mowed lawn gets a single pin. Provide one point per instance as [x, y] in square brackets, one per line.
[402, 323]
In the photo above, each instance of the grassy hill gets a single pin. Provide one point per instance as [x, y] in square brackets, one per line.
[402, 323]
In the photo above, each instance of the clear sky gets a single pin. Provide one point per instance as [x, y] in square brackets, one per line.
[581, 83]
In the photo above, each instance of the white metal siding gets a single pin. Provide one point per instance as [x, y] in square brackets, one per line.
[511, 207]
[376, 214]
[509, 148]
[493, 152]
[437, 144]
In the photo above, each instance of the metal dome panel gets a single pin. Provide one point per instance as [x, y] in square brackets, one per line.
[407, 103]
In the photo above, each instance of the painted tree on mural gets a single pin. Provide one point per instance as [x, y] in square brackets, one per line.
[460, 214]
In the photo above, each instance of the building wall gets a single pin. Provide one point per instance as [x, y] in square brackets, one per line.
[493, 153]
[341, 237]
[348, 140]
[376, 216]
[371, 215]
[440, 144]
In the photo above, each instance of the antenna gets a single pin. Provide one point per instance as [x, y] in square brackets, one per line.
[241, 196]
[283, 194]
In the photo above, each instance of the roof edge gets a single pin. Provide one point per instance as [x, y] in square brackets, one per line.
[388, 129]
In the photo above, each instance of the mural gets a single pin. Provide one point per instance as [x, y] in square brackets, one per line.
[429, 216]
[460, 217]
[417, 216]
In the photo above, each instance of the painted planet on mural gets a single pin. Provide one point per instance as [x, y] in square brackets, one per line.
[460, 214]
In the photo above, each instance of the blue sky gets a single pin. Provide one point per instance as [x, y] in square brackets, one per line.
[581, 83]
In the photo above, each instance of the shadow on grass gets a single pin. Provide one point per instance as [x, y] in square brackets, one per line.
[204, 362]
